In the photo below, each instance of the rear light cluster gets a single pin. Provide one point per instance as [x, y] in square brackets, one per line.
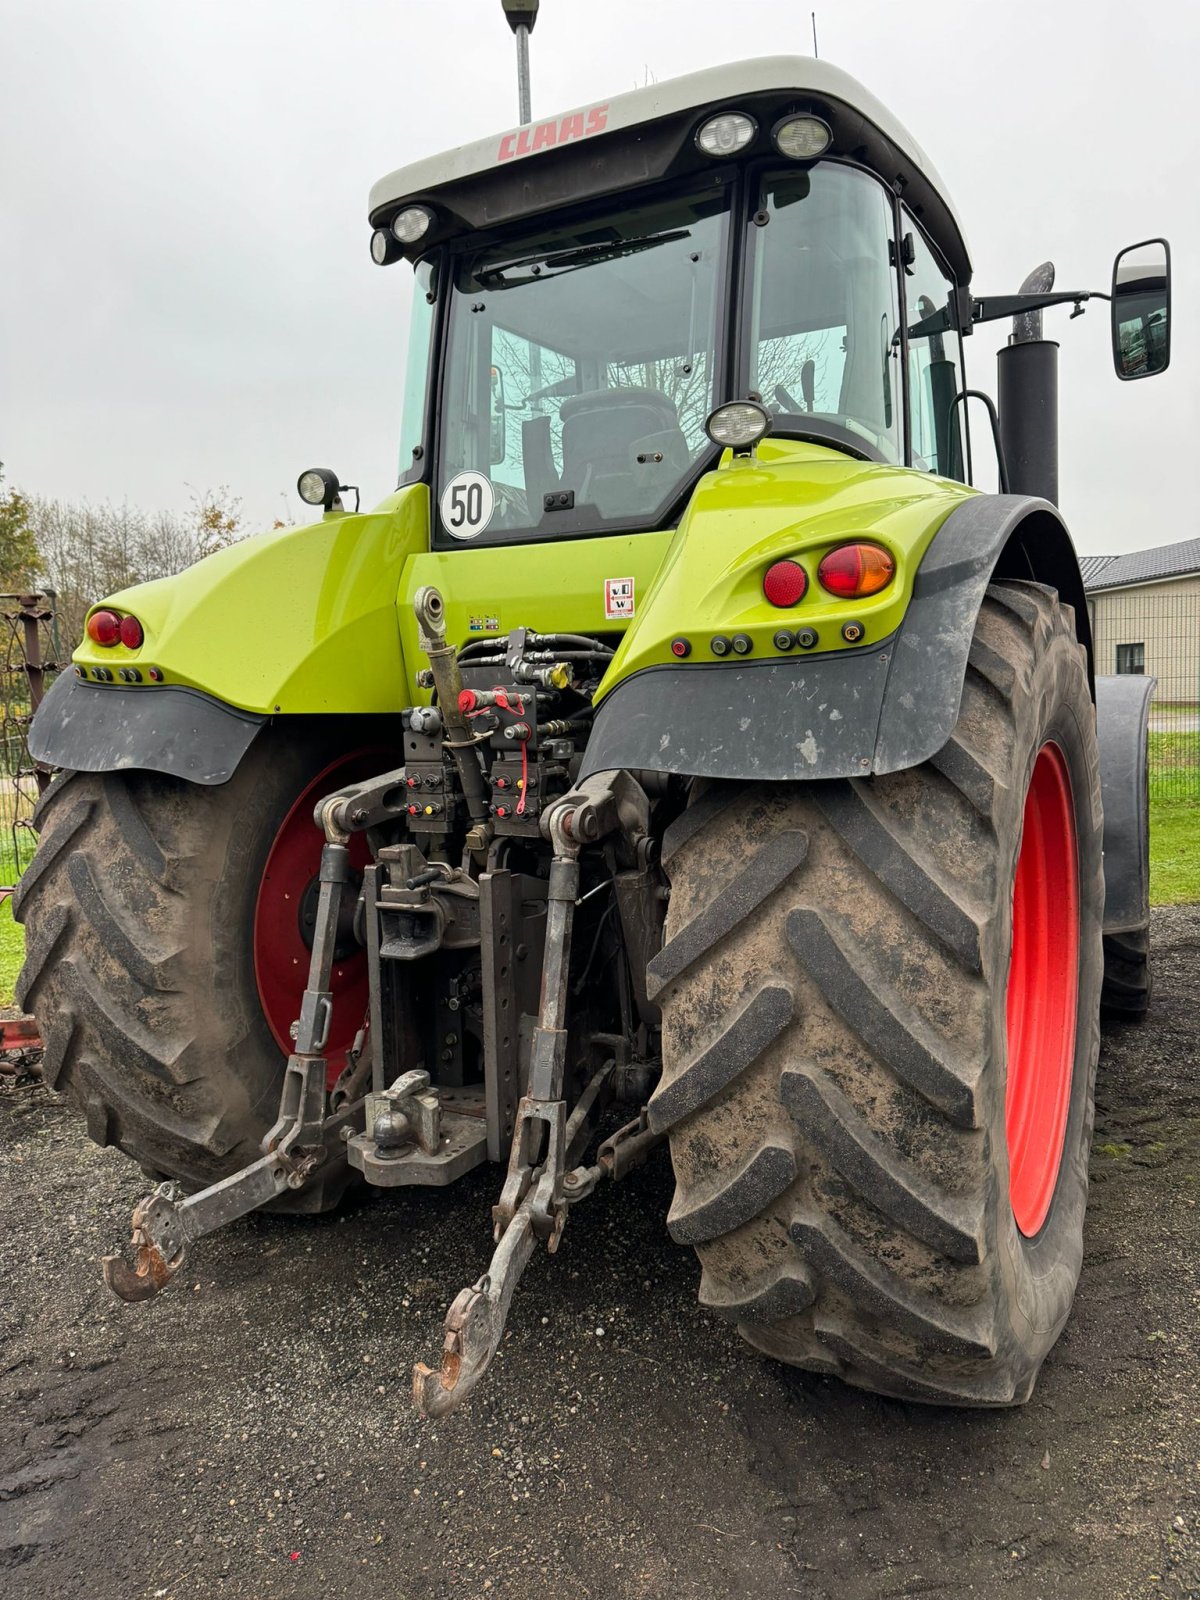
[851, 572]
[109, 628]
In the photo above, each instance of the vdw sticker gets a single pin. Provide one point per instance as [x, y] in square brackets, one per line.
[618, 598]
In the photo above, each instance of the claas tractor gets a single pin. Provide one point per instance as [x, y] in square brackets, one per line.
[686, 753]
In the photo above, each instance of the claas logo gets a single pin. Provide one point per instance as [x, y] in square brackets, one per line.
[547, 135]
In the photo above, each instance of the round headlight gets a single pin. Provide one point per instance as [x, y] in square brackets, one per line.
[380, 247]
[803, 138]
[738, 425]
[727, 134]
[411, 224]
[317, 487]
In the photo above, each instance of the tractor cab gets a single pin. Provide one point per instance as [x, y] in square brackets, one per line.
[589, 290]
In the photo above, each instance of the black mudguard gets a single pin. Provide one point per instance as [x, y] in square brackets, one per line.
[100, 728]
[1122, 722]
[888, 706]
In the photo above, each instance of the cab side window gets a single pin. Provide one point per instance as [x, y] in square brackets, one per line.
[935, 364]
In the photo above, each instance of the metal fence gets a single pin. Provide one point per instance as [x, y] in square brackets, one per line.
[1154, 628]
[29, 656]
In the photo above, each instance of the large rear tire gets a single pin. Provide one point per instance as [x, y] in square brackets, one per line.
[160, 1016]
[880, 1142]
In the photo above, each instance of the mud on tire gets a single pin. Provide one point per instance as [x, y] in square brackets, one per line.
[833, 989]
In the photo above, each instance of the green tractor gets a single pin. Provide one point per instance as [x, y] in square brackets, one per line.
[685, 733]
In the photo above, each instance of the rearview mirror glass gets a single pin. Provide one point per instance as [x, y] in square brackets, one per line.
[498, 431]
[1141, 309]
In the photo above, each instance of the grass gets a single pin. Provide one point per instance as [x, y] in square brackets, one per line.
[1174, 766]
[12, 952]
[1174, 852]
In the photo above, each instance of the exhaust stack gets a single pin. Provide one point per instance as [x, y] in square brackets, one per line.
[1027, 392]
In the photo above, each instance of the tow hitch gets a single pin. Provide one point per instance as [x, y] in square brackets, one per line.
[542, 1181]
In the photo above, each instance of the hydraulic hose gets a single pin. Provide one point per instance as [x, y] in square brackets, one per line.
[430, 611]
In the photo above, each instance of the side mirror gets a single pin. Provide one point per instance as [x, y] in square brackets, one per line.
[498, 435]
[1141, 310]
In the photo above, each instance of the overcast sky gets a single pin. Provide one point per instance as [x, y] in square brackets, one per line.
[186, 295]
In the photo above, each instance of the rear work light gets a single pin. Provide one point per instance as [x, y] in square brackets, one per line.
[785, 583]
[854, 570]
[104, 627]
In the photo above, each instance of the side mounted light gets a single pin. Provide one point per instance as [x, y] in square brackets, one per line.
[802, 138]
[738, 425]
[726, 134]
[318, 487]
[384, 248]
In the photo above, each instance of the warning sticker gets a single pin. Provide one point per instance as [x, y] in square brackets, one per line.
[618, 598]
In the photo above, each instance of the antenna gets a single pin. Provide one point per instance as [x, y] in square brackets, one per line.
[816, 52]
[521, 16]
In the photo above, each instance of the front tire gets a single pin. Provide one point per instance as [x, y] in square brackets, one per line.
[840, 1038]
[161, 1018]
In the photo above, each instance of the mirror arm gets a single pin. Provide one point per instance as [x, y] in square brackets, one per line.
[993, 307]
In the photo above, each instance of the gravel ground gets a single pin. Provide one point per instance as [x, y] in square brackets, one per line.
[249, 1434]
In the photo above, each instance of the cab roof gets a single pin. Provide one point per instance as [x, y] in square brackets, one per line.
[649, 134]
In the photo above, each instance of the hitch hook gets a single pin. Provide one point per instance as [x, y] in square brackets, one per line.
[159, 1246]
[475, 1323]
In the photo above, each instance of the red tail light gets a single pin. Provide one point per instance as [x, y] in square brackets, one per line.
[131, 633]
[104, 627]
[855, 570]
[784, 583]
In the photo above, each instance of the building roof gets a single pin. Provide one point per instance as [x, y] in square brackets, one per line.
[1142, 566]
[722, 86]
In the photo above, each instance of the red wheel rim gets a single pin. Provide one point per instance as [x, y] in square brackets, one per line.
[1043, 991]
[280, 954]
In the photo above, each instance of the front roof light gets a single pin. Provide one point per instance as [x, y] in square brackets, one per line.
[411, 224]
[381, 247]
[739, 425]
[726, 134]
[802, 138]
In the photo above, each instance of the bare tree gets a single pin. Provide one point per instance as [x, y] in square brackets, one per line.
[89, 551]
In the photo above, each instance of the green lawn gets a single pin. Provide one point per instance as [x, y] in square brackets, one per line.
[12, 952]
[1174, 764]
[1174, 852]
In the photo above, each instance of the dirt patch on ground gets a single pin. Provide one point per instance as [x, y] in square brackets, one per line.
[250, 1435]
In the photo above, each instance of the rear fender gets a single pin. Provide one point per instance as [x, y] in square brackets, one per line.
[295, 622]
[1122, 723]
[849, 713]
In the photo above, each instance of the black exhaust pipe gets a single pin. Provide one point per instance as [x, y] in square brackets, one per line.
[1027, 385]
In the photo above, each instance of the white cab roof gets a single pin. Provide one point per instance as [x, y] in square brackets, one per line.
[723, 85]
